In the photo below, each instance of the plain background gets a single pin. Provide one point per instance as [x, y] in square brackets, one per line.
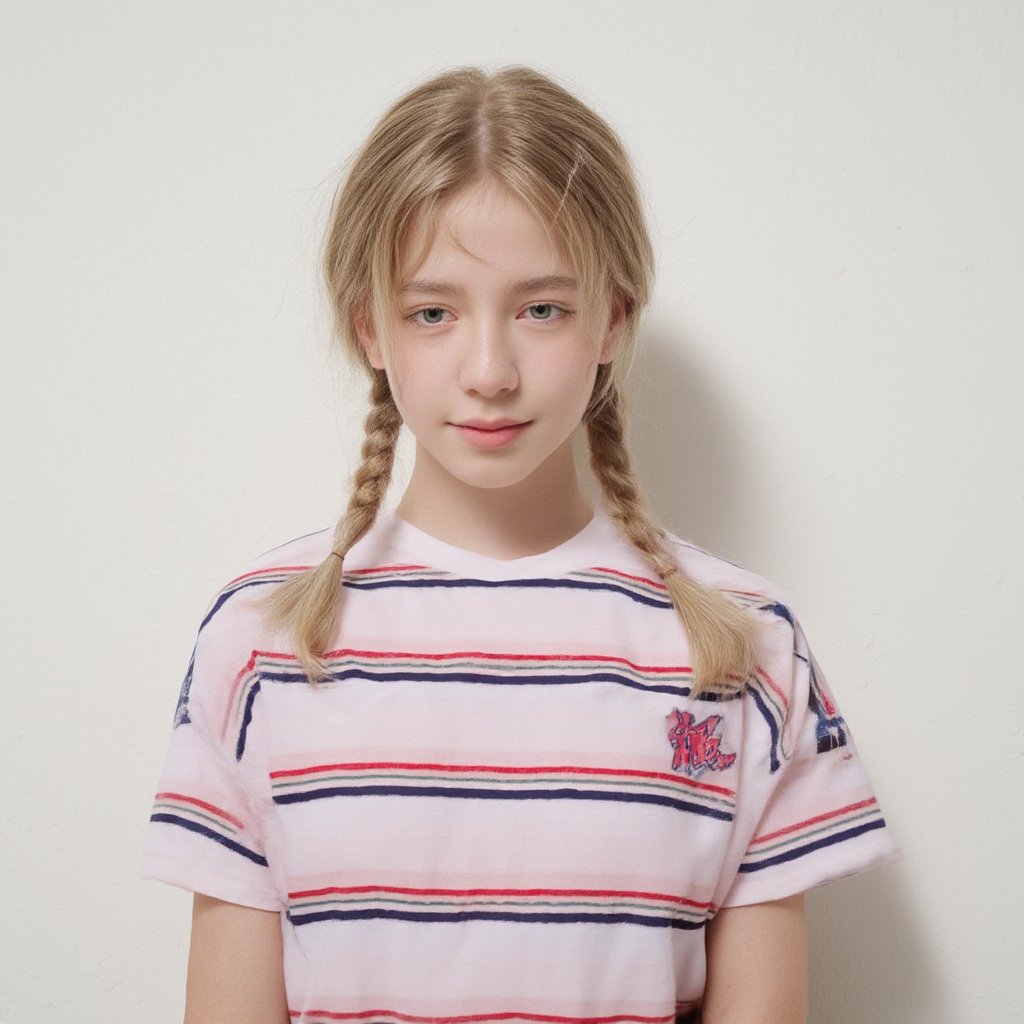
[830, 394]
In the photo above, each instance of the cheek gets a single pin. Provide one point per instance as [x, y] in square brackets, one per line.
[572, 375]
[410, 380]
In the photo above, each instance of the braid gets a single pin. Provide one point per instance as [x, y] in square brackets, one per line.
[382, 426]
[721, 635]
[307, 604]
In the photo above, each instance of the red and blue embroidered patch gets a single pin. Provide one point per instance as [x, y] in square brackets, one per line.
[697, 748]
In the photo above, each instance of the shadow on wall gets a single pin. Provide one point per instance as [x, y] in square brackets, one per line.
[684, 446]
[867, 960]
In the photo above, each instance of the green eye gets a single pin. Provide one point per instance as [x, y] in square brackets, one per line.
[545, 309]
[430, 313]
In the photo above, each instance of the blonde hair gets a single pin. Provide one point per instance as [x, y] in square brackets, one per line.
[523, 131]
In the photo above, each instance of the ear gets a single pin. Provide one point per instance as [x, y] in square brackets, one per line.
[369, 343]
[616, 328]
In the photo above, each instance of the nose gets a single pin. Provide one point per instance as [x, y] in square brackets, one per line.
[488, 363]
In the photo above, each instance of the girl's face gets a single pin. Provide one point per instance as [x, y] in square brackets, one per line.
[490, 367]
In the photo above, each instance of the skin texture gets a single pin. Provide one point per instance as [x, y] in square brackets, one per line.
[488, 348]
[757, 964]
[235, 965]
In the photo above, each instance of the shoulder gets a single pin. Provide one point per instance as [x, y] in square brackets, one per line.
[232, 628]
[778, 635]
[237, 605]
[244, 589]
[297, 553]
[718, 573]
[762, 598]
[232, 631]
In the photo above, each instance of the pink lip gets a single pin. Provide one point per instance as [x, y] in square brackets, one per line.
[490, 433]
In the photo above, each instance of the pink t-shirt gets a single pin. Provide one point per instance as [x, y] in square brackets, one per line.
[503, 805]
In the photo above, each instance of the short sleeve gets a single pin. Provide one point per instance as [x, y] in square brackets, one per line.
[808, 812]
[203, 833]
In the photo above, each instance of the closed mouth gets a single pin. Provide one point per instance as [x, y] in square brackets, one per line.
[491, 425]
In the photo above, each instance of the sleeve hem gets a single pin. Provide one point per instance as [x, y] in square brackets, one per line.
[783, 883]
[168, 869]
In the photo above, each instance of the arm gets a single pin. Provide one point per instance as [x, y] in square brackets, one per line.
[757, 964]
[235, 965]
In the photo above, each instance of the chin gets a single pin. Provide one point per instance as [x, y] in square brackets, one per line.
[493, 470]
[492, 481]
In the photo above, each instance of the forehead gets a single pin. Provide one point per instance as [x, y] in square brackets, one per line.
[482, 229]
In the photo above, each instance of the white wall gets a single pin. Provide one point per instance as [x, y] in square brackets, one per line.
[832, 394]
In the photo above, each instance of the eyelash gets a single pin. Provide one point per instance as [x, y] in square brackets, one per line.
[562, 311]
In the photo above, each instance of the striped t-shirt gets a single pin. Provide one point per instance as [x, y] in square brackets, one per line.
[503, 805]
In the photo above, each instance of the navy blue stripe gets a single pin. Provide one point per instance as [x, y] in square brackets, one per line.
[526, 679]
[773, 725]
[181, 715]
[779, 609]
[358, 583]
[829, 729]
[492, 915]
[226, 594]
[501, 794]
[653, 602]
[246, 720]
[194, 826]
[800, 851]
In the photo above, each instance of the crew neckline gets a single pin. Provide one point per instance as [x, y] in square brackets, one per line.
[573, 553]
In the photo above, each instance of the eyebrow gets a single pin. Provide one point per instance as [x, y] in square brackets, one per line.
[531, 284]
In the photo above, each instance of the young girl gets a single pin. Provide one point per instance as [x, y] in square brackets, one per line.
[497, 755]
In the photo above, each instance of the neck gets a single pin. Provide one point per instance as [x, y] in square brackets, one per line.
[533, 516]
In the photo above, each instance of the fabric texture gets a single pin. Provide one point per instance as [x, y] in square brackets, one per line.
[504, 803]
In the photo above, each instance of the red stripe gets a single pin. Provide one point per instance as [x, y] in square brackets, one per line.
[499, 656]
[386, 568]
[469, 1018]
[265, 572]
[814, 821]
[775, 686]
[242, 673]
[302, 568]
[201, 803]
[501, 770]
[625, 575]
[408, 891]
[487, 655]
